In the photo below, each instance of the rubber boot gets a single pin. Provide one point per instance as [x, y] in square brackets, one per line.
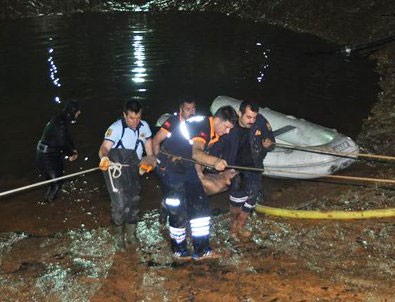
[234, 227]
[242, 231]
[52, 192]
[130, 236]
[119, 238]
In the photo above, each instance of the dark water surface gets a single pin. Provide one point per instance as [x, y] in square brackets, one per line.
[105, 59]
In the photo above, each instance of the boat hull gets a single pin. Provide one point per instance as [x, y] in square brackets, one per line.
[333, 151]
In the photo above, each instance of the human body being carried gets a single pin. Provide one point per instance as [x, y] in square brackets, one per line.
[124, 143]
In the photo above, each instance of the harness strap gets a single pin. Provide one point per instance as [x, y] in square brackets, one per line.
[120, 145]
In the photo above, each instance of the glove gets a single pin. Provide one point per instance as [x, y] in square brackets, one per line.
[144, 168]
[147, 164]
[104, 163]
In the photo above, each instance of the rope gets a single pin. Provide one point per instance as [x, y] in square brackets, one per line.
[349, 50]
[302, 214]
[340, 154]
[115, 171]
[47, 182]
[368, 179]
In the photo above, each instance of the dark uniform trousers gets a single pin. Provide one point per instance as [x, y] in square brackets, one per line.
[186, 202]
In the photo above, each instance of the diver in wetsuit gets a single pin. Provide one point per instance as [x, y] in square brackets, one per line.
[55, 144]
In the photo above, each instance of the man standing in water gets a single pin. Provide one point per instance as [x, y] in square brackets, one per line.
[54, 145]
[185, 197]
[124, 143]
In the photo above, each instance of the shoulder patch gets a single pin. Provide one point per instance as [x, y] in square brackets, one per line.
[203, 135]
[166, 124]
[108, 132]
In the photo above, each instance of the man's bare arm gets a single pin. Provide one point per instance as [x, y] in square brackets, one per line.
[159, 137]
[200, 156]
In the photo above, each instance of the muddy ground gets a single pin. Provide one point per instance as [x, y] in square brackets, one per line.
[64, 251]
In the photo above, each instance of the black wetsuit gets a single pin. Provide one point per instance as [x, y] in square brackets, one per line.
[54, 145]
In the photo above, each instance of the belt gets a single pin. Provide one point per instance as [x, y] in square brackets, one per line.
[46, 149]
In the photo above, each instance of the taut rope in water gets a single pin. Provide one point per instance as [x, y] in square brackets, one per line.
[318, 150]
[47, 181]
[367, 179]
[114, 172]
[115, 169]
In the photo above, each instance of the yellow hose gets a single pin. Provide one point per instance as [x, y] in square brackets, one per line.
[302, 214]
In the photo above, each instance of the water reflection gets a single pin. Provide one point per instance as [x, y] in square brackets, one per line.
[265, 64]
[138, 71]
[53, 71]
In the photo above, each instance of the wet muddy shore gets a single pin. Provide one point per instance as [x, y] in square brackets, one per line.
[64, 251]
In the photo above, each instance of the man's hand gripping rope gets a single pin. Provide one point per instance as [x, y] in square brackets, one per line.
[114, 170]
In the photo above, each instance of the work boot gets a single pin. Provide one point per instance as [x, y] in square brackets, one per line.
[242, 231]
[234, 227]
[119, 238]
[206, 254]
[130, 236]
[180, 251]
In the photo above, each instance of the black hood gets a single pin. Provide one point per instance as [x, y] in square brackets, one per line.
[70, 109]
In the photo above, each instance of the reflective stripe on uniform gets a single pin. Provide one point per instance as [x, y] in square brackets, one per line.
[178, 234]
[200, 226]
[173, 202]
[238, 200]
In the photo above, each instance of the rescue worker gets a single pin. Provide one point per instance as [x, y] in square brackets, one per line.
[247, 145]
[187, 108]
[213, 183]
[56, 144]
[185, 196]
[124, 143]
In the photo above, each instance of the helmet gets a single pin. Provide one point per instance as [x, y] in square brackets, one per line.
[70, 109]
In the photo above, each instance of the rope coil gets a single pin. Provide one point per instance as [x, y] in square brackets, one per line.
[115, 171]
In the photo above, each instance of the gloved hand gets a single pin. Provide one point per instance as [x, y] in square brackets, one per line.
[104, 163]
[147, 164]
[74, 156]
[144, 168]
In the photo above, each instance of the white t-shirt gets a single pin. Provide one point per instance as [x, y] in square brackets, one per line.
[126, 138]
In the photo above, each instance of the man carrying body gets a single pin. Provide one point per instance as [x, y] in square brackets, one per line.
[247, 145]
[185, 197]
[170, 127]
[212, 183]
[123, 143]
[187, 109]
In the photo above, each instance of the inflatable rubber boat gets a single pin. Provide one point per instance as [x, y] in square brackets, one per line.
[303, 149]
